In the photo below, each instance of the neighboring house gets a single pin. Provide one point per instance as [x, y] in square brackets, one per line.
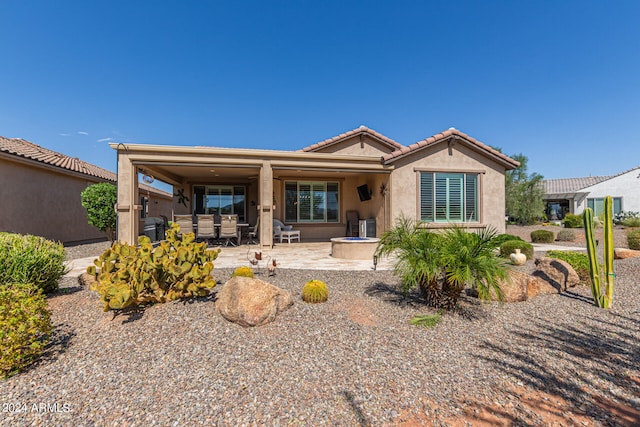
[447, 178]
[573, 195]
[40, 193]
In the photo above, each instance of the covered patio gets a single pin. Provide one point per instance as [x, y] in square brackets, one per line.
[311, 192]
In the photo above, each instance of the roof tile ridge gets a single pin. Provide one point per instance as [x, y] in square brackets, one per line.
[343, 135]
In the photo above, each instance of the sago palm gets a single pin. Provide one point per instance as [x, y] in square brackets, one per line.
[417, 255]
[470, 259]
[442, 264]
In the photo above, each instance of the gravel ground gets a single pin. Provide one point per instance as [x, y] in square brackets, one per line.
[354, 360]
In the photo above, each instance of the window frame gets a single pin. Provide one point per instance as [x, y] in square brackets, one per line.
[314, 188]
[429, 213]
[593, 202]
[236, 198]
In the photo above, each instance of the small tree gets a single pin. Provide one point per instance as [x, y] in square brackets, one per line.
[99, 201]
[524, 193]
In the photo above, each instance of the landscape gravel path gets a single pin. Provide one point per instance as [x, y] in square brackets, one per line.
[353, 361]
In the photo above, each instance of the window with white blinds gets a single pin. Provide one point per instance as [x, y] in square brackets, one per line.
[311, 201]
[448, 197]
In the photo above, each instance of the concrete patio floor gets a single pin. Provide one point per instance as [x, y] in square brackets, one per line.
[303, 256]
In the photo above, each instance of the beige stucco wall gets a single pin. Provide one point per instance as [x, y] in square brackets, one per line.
[44, 202]
[461, 158]
[349, 200]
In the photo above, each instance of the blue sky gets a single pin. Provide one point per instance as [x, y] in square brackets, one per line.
[558, 81]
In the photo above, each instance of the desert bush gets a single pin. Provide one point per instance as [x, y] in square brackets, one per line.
[31, 259]
[578, 260]
[542, 236]
[631, 222]
[501, 238]
[633, 239]
[25, 326]
[509, 247]
[621, 217]
[572, 221]
[243, 271]
[315, 291]
[177, 268]
[566, 236]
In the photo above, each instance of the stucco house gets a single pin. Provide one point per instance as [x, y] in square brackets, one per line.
[447, 178]
[40, 193]
[573, 195]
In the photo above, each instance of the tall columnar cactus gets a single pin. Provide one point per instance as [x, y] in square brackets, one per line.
[603, 300]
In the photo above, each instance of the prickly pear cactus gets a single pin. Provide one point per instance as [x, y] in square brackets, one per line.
[315, 291]
[177, 268]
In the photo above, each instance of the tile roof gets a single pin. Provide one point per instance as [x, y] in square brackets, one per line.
[28, 150]
[571, 185]
[361, 130]
[442, 136]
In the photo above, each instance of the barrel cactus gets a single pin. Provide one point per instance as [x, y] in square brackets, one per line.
[315, 291]
[243, 271]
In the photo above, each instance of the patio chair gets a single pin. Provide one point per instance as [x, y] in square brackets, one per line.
[353, 227]
[185, 222]
[253, 232]
[206, 229]
[285, 232]
[229, 229]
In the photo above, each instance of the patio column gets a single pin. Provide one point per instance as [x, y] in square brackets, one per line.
[126, 207]
[265, 201]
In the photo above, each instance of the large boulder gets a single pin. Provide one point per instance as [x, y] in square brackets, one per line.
[624, 253]
[251, 302]
[518, 286]
[555, 275]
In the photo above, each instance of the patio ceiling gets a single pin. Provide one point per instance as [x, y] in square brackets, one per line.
[214, 173]
[179, 165]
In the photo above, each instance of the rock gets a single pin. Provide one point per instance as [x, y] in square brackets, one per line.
[624, 253]
[251, 302]
[86, 279]
[519, 286]
[514, 289]
[555, 275]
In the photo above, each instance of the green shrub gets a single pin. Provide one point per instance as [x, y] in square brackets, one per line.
[572, 221]
[315, 291]
[25, 326]
[99, 200]
[578, 260]
[631, 222]
[621, 217]
[566, 236]
[31, 259]
[633, 239]
[243, 271]
[542, 236]
[177, 268]
[427, 320]
[501, 238]
[509, 247]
